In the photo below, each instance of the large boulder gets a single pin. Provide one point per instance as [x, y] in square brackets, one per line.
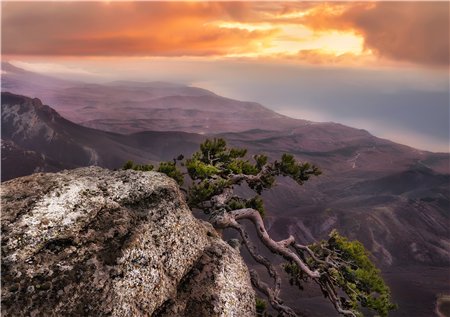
[94, 242]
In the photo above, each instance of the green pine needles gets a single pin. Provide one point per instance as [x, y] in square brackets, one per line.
[351, 270]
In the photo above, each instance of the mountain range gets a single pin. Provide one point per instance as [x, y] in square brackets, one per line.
[393, 198]
[127, 107]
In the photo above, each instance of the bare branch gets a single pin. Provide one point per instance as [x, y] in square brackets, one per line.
[276, 247]
[333, 297]
[259, 258]
[221, 200]
[299, 248]
[224, 220]
[275, 302]
[238, 178]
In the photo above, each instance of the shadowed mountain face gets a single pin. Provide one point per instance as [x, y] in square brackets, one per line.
[47, 142]
[393, 198]
[18, 162]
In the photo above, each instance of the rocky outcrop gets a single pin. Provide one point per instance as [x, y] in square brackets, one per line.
[93, 242]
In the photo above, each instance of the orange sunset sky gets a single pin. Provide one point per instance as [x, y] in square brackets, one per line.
[381, 66]
[363, 33]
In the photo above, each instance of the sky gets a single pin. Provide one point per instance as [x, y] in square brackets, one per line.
[381, 66]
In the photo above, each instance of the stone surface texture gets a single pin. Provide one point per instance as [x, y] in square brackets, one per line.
[95, 242]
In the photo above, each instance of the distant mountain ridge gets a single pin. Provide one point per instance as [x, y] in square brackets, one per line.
[393, 198]
[160, 106]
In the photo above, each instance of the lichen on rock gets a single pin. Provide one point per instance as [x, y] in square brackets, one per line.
[94, 242]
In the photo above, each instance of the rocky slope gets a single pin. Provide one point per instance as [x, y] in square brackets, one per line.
[37, 138]
[93, 242]
[21, 162]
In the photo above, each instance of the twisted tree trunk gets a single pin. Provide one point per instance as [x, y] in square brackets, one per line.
[223, 219]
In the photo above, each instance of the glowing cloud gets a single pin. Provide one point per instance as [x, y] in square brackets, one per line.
[414, 32]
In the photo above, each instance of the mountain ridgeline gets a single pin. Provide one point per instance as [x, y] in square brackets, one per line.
[128, 107]
[38, 129]
[393, 198]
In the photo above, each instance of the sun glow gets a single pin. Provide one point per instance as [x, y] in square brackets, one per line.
[246, 26]
[339, 43]
[292, 39]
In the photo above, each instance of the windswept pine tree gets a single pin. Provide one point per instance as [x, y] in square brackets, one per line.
[341, 268]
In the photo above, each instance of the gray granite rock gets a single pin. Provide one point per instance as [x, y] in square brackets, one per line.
[94, 242]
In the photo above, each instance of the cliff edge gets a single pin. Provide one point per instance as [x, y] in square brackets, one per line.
[94, 242]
